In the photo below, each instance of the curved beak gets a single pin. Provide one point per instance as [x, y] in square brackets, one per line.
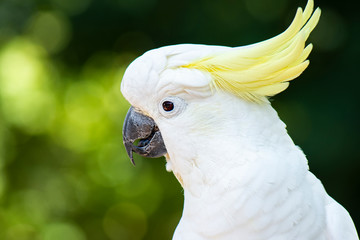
[138, 126]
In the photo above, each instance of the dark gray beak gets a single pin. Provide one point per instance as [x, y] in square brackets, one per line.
[138, 126]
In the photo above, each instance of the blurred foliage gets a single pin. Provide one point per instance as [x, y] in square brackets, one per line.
[64, 173]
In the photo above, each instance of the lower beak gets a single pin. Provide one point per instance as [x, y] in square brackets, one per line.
[138, 126]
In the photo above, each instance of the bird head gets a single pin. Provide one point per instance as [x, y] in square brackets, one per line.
[182, 96]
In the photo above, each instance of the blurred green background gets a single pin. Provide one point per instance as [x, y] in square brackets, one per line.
[64, 173]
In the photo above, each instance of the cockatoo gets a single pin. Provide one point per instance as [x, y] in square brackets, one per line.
[206, 109]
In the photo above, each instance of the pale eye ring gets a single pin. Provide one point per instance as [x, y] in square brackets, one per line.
[168, 106]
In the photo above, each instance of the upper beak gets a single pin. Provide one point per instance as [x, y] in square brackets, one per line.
[138, 126]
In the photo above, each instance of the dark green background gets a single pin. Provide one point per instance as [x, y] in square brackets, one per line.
[64, 173]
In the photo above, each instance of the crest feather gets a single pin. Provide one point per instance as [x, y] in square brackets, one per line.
[263, 69]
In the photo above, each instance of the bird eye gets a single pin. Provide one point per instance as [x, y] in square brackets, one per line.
[168, 106]
[171, 106]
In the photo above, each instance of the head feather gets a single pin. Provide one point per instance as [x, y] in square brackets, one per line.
[260, 70]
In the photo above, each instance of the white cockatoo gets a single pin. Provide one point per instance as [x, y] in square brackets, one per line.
[205, 109]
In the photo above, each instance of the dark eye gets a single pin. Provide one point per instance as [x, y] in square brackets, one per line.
[168, 106]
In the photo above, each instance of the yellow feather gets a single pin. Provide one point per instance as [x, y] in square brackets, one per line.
[305, 54]
[275, 88]
[257, 71]
[309, 8]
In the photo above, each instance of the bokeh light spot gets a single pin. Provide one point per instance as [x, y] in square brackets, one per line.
[25, 89]
[21, 231]
[83, 125]
[31, 205]
[51, 30]
[61, 231]
[331, 32]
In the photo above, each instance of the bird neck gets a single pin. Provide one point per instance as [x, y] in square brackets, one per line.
[237, 135]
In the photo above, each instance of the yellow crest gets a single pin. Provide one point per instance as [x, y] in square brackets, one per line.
[263, 69]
